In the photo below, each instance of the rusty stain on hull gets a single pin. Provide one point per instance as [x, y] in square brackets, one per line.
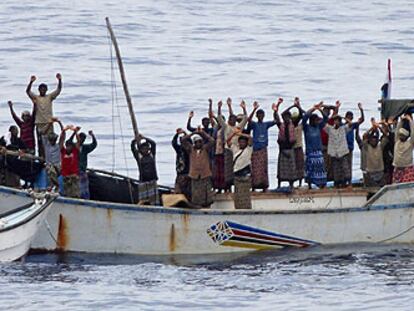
[63, 237]
[109, 215]
[172, 239]
[186, 223]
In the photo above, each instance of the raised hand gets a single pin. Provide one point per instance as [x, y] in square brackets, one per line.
[90, 133]
[220, 104]
[58, 76]
[229, 101]
[32, 78]
[76, 128]
[255, 105]
[210, 101]
[338, 104]
[280, 101]
[243, 104]
[359, 106]
[318, 106]
[296, 102]
[191, 114]
[10, 103]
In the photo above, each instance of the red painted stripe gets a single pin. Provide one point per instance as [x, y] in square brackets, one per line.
[265, 237]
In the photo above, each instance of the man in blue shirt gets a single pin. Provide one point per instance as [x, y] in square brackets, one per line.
[260, 174]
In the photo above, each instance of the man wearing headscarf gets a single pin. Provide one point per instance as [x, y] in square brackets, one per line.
[202, 194]
[403, 152]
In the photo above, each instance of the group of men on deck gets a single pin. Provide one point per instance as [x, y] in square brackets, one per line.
[220, 155]
[62, 159]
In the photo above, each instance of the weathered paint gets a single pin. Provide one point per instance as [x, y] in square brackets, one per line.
[161, 231]
[186, 224]
[172, 244]
[63, 234]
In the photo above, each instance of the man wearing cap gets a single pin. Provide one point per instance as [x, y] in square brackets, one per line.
[202, 194]
[43, 106]
[26, 125]
[403, 152]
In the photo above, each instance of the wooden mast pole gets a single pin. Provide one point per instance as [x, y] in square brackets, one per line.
[123, 78]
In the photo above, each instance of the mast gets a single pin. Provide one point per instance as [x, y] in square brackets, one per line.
[123, 79]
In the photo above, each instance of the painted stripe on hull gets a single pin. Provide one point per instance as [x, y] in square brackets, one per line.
[264, 232]
[269, 239]
[228, 233]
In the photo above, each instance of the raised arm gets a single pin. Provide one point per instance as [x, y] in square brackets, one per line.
[62, 138]
[220, 119]
[153, 145]
[77, 145]
[134, 149]
[56, 92]
[255, 107]
[229, 104]
[362, 117]
[358, 137]
[206, 137]
[14, 115]
[29, 88]
[275, 108]
[190, 117]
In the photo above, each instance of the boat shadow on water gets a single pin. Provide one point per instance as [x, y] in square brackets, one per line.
[343, 254]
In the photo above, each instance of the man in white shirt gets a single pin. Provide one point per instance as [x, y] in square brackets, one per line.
[242, 156]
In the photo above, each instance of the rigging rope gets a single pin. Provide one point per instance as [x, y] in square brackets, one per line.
[114, 98]
[117, 113]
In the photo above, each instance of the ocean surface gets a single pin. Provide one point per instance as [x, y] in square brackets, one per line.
[177, 54]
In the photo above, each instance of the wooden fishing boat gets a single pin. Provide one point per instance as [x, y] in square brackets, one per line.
[18, 226]
[300, 219]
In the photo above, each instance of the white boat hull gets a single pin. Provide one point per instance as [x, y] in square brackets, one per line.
[97, 227]
[18, 229]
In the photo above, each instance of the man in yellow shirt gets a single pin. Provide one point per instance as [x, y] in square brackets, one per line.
[43, 105]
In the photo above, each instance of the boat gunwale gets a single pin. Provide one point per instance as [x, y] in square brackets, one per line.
[30, 217]
[187, 211]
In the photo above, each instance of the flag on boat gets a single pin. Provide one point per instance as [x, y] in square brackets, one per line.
[386, 87]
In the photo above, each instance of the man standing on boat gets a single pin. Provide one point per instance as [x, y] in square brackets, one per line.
[144, 151]
[200, 171]
[403, 152]
[315, 166]
[242, 171]
[69, 152]
[260, 174]
[26, 125]
[229, 128]
[85, 149]
[43, 108]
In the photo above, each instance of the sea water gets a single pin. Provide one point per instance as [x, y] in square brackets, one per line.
[177, 54]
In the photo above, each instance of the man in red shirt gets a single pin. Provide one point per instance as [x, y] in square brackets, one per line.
[69, 153]
[26, 125]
